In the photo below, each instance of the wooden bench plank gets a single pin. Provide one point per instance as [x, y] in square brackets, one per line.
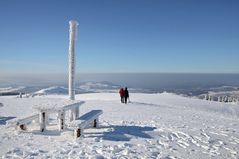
[85, 120]
[91, 114]
[22, 122]
[29, 119]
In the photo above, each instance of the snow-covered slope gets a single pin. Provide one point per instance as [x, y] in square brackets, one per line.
[52, 90]
[150, 126]
[10, 90]
[86, 87]
[98, 87]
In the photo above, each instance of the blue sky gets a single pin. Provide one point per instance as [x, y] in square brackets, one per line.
[195, 36]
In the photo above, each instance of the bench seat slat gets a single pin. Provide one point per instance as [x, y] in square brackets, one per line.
[86, 119]
[90, 114]
[28, 119]
[25, 120]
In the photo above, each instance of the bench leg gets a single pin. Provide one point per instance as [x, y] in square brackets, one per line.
[23, 127]
[74, 114]
[42, 121]
[61, 120]
[78, 132]
[95, 123]
[71, 115]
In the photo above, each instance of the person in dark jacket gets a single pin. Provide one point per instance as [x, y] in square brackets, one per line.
[121, 92]
[126, 95]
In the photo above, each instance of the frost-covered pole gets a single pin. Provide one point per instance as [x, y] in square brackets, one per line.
[72, 43]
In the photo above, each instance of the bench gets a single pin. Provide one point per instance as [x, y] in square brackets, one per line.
[21, 123]
[45, 111]
[85, 120]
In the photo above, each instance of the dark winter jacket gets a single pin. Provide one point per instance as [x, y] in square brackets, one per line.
[126, 93]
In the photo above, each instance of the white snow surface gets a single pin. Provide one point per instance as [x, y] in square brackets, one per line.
[150, 126]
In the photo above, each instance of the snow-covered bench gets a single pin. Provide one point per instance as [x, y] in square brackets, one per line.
[23, 122]
[45, 111]
[85, 120]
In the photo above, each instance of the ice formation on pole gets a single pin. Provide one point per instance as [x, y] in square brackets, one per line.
[72, 42]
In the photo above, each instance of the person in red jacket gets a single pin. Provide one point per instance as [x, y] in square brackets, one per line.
[121, 92]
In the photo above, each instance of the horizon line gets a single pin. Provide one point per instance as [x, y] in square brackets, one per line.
[78, 73]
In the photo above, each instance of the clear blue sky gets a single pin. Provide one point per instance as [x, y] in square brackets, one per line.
[200, 36]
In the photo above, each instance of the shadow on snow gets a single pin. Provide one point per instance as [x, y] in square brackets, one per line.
[122, 133]
[47, 132]
[3, 120]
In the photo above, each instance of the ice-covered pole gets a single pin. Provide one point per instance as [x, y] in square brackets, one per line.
[72, 42]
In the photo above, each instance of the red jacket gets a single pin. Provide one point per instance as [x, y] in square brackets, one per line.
[121, 92]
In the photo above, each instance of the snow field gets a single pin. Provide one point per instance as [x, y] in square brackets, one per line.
[150, 126]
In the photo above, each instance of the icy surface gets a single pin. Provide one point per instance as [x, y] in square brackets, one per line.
[150, 126]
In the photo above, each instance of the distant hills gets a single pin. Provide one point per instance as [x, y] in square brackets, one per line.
[220, 93]
[86, 87]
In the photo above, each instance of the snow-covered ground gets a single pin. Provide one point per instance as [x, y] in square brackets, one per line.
[150, 126]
